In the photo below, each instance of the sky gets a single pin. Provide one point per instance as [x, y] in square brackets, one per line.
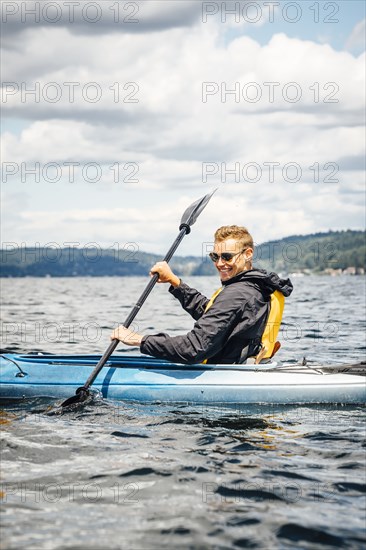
[118, 115]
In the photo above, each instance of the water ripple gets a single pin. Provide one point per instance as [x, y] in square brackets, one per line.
[129, 476]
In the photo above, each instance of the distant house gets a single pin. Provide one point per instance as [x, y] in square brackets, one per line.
[350, 271]
[332, 272]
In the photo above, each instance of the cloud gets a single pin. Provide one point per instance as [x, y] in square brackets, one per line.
[127, 17]
[194, 104]
[143, 80]
[97, 18]
[306, 121]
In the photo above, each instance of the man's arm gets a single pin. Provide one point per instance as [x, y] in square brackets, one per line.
[209, 334]
[192, 301]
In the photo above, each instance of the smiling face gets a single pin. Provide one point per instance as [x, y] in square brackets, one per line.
[242, 261]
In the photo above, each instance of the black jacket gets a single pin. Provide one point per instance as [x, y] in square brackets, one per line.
[235, 320]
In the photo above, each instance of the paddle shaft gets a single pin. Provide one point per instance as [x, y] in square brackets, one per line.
[112, 346]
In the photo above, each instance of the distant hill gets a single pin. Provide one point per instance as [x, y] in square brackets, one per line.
[315, 253]
[331, 252]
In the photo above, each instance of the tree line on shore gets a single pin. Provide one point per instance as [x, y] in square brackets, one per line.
[331, 252]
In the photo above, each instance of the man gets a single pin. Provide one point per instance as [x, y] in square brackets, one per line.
[228, 327]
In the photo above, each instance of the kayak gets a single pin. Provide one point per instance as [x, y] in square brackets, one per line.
[146, 379]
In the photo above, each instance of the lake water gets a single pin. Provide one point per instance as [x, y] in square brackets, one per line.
[118, 476]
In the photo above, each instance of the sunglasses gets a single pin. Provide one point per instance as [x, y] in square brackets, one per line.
[225, 256]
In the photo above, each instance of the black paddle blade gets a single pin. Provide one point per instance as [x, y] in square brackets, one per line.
[80, 396]
[193, 211]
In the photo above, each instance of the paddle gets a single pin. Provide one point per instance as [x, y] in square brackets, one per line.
[188, 219]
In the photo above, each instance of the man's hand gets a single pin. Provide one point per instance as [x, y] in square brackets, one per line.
[127, 336]
[166, 275]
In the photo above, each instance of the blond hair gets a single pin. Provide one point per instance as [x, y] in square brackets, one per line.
[235, 232]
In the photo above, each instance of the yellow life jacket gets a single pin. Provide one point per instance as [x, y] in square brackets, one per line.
[213, 298]
[272, 327]
[209, 304]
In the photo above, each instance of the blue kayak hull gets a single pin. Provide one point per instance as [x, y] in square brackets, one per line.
[150, 380]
